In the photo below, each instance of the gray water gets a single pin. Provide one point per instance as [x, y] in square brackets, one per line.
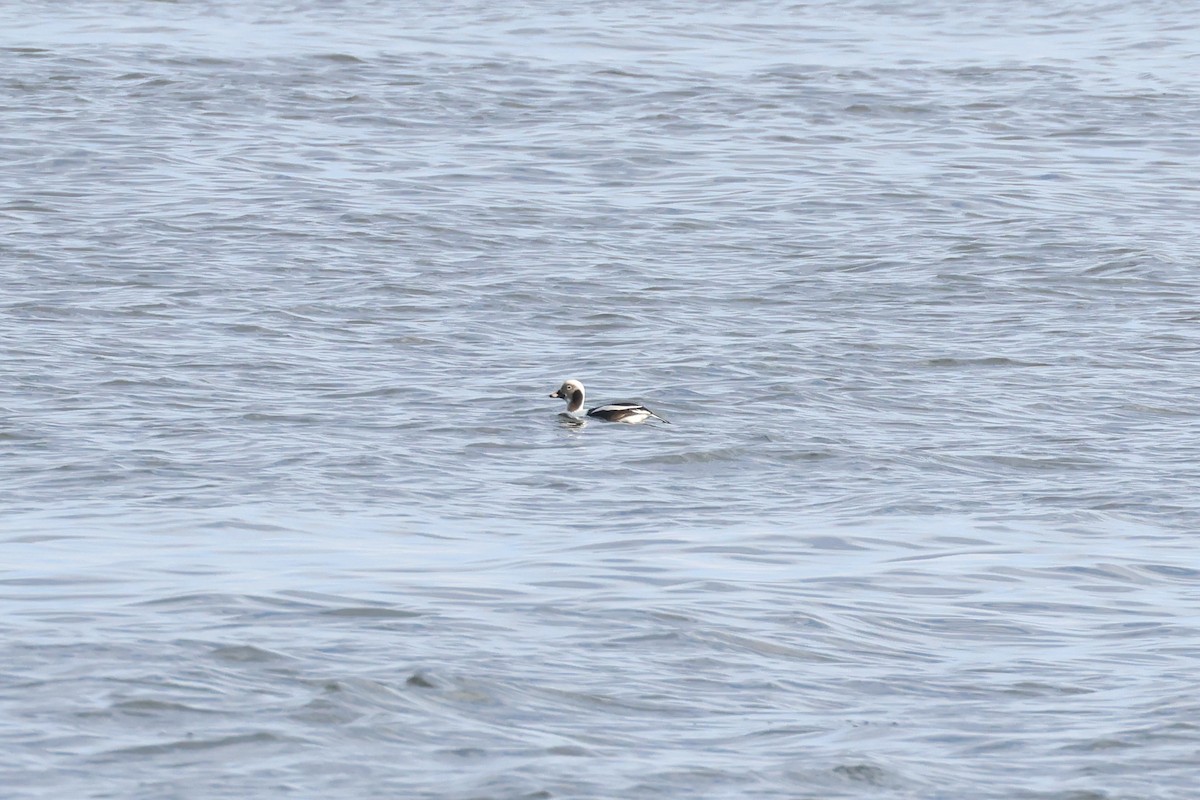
[287, 511]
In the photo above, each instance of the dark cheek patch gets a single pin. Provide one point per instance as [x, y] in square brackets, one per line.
[576, 401]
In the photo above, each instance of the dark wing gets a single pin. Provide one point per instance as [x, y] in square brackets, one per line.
[616, 412]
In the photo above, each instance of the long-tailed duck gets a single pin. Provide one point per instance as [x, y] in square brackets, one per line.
[631, 413]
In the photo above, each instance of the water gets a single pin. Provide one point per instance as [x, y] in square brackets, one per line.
[287, 511]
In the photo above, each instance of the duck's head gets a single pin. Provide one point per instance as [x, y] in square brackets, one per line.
[572, 392]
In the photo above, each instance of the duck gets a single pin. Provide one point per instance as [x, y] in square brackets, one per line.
[629, 413]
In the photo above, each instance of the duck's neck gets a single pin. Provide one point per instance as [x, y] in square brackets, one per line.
[575, 402]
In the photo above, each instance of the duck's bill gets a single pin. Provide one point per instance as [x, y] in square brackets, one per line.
[556, 393]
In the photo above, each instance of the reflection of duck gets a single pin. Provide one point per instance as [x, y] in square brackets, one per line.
[631, 413]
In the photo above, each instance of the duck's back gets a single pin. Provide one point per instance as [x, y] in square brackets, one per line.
[621, 412]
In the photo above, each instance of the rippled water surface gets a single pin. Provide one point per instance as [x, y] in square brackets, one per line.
[287, 511]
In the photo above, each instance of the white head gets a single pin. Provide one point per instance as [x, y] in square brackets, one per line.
[572, 392]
